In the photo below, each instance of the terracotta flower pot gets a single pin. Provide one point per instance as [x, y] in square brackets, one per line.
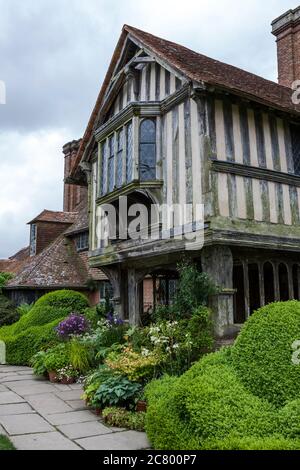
[67, 380]
[53, 376]
[141, 406]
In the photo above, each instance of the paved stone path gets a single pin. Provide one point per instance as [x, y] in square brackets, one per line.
[38, 415]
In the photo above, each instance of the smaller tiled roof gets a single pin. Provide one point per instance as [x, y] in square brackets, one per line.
[54, 216]
[21, 255]
[81, 223]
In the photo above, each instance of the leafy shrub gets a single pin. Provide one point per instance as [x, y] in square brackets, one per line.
[38, 363]
[80, 355]
[92, 316]
[93, 381]
[57, 358]
[8, 312]
[134, 365]
[194, 289]
[75, 324]
[116, 391]
[21, 347]
[262, 353]
[122, 418]
[23, 309]
[4, 278]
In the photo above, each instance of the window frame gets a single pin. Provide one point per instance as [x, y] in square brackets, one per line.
[152, 143]
[82, 241]
[33, 239]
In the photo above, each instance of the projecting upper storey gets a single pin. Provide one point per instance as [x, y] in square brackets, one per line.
[187, 129]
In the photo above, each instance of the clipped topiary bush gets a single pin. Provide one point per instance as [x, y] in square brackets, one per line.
[262, 353]
[8, 312]
[36, 329]
[207, 402]
[21, 347]
[51, 306]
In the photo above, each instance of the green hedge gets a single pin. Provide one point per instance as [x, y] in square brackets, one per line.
[35, 330]
[243, 397]
[262, 353]
[207, 402]
[21, 347]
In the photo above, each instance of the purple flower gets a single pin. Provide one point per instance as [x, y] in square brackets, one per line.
[75, 324]
[114, 320]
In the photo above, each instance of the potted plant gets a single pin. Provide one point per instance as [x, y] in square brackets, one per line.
[67, 375]
[56, 359]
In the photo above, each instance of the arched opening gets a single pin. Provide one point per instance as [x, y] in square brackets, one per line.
[296, 281]
[148, 150]
[239, 298]
[269, 283]
[254, 290]
[283, 282]
[158, 289]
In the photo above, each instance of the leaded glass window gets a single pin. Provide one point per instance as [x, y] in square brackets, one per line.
[120, 158]
[33, 230]
[295, 137]
[129, 153]
[147, 150]
[103, 168]
[111, 167]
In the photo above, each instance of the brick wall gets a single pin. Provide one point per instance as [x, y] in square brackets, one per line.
[287, 31]
[47, 232]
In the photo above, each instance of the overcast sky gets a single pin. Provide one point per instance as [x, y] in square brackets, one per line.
[53, 57]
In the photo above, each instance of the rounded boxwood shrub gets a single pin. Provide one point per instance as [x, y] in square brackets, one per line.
[21, 347]
[50, 307]
[207, 402]
[262, 353]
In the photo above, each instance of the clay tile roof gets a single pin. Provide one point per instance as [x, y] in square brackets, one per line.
[82, 220]
[198, 68]
[54, 216]
[56, 266]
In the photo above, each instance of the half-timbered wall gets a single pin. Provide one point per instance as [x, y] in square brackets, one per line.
[155, 83]
[245, 136]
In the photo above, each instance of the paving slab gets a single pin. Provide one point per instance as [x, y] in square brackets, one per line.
[15, 369]
[15, 378]
[15, 409]
[70, 394]
[72, 417]
[76, 405]
[3, 388]
[62, 388]
[79, 430]
[47, 403]
[25, 424]
[10, 397]
[33, 389]
[46, 441]
[75, 386]
[128, 440]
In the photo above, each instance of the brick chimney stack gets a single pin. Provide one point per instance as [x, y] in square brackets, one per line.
[286, 28]
[73, 194]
